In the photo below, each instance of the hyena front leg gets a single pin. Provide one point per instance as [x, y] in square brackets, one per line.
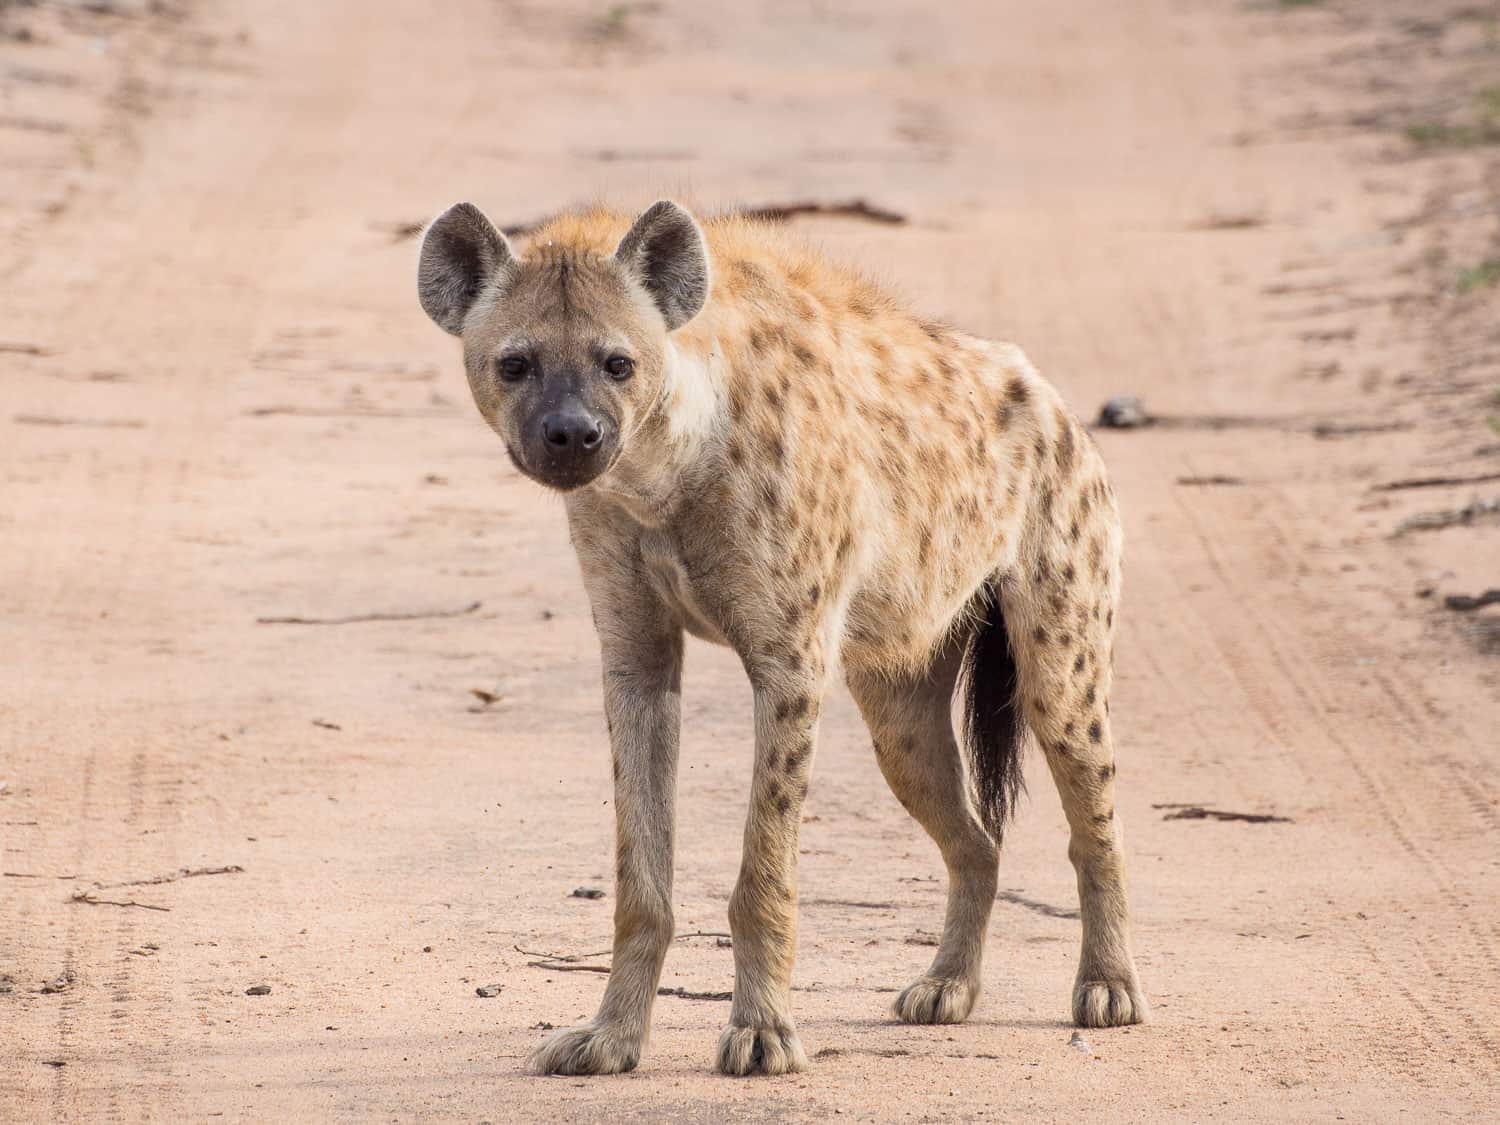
[642, 657]
[911, 722]
[761, 1037]
[1061, 625]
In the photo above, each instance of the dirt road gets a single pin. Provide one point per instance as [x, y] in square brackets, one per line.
[222, 404]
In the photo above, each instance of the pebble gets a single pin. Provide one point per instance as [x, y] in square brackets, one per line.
[1123, 412]
[587, 892]
[1079, 1043]
[487, 991]
[59, 983]
[258, 990]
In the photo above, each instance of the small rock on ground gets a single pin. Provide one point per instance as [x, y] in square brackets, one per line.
[1123, 412]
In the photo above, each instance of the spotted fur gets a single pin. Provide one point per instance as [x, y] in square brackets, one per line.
[804, 470]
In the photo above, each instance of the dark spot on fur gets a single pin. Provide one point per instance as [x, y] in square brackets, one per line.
[1106, 771]
[1016, 392]
[1096, 732]
[737, 403]
[1066, 448]
[747, 273]
[1078, 664]
[1088, 696]
[1039, 635]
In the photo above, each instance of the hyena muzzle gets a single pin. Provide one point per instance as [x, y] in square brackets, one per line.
[760, 448]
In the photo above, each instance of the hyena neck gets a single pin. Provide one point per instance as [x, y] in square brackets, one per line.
[668, 451]
[692, 400]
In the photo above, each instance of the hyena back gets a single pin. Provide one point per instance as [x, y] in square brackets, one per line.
[762, 449]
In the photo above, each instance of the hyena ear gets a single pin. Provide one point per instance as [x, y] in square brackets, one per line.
[461, 252]
[666, 253]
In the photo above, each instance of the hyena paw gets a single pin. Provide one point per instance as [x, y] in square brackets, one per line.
[760, 1050]
[936, 1000]
[590, 1049]
[1109, 1003]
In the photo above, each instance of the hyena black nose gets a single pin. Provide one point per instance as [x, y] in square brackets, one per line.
[572, 429]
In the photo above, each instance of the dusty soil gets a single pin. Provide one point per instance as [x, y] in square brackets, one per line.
[222, 404]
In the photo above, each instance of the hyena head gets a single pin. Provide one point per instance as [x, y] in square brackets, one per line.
[566, 350]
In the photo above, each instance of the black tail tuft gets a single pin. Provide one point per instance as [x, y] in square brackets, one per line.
[993, 730]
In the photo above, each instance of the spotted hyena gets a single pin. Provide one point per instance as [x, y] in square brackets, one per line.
[759, 447]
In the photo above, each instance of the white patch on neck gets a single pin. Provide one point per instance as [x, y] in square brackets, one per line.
[693, 397]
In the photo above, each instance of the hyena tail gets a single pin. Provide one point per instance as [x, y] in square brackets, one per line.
[994, 732]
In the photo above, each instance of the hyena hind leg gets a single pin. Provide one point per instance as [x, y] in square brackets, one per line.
[1062, 637]
[911, 724]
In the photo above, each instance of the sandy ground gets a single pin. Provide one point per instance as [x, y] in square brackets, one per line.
[222, 403]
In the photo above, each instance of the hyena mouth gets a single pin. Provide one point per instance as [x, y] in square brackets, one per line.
[563, 473]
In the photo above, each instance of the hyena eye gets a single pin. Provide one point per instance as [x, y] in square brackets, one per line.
[620, 367]
[512, 368]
